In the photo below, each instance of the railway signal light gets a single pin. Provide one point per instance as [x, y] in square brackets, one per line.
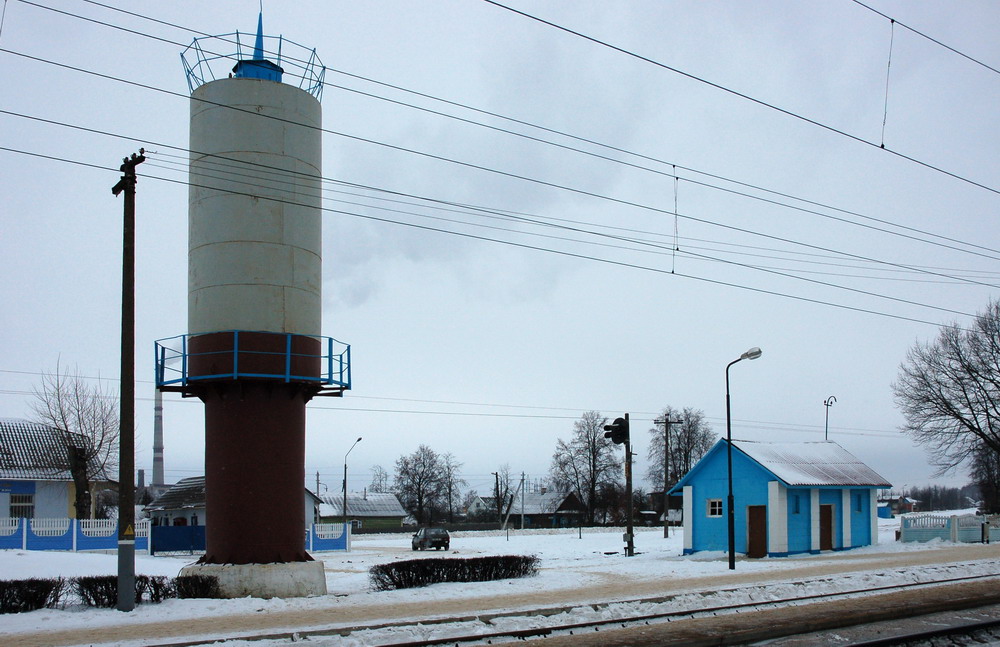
[617, 431]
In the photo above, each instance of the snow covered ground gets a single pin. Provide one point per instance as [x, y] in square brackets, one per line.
[569, 560]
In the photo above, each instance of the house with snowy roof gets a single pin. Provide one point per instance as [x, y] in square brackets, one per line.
[542, 509]
[184, 504]
[366, 509]
[36, 471]
[788, 498]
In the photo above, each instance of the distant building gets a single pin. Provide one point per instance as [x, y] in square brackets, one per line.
[789, 498]
[543, 509]
[35, 479]
[368, 510]
[183, 504]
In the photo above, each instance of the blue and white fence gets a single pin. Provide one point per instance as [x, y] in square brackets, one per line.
[965, 528]
[328, 536]
[102, 534]
[67, 534]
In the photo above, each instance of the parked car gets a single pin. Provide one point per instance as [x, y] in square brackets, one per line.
[431, 538]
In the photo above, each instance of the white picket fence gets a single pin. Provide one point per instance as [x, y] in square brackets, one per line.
[967, 528]
[67, 534]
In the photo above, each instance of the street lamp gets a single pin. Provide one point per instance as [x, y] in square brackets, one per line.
[828, 403]
[753, 353]
[345, 477]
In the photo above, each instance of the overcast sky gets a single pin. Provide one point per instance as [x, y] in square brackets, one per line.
[794, 230]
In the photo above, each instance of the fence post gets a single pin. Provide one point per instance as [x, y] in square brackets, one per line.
[953, 523]
[74, 526]
[24, 533]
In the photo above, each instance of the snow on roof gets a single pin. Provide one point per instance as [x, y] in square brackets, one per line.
[33, 451]
[814, 463]
[369, 504]
[539, 503]
[186, 493]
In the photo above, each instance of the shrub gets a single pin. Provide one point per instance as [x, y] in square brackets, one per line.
[29, 595]
[153, 588]
[197, 586]
[98, 590]
[421, 572]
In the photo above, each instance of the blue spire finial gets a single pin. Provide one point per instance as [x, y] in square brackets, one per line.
[258, 45]
[258, 67]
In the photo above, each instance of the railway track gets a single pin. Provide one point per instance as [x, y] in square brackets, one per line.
[576, 623]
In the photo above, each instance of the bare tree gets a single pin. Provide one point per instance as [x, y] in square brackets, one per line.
[949, 392]
[689, 441]
[380, 479]
[502, 494]
[87, 415]
[587, 462]
[450, 467]
[419, 483]
[985, 472]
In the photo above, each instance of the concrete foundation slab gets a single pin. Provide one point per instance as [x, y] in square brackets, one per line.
[285, 580]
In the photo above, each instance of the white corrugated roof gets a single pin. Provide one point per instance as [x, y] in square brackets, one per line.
[369, 504]
[539, 503]
[33, 451]
[817, 463]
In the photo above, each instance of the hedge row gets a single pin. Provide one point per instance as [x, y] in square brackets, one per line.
[17, 596]
[422, 572]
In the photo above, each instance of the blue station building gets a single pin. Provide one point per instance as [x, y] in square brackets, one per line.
[788, 498]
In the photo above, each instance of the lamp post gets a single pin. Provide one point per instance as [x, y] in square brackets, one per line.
[828, 403]
[753, 353]
[345, 476]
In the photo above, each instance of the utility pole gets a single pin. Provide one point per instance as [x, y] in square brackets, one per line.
[629, 534]
[522, 500]
[496, 498]
[666, 422]
[126, 403]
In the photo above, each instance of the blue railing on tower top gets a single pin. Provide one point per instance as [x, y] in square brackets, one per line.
[212, 57]
[174, 357]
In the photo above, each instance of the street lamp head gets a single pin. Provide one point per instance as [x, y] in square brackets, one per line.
[753, 353]
[358, 440]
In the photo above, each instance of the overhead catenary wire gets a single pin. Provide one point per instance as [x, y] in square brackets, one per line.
[565, 253]
[930, 38]
[445, 159]
[747, 97]
[650, 246]
[638, 416]
[535, 126]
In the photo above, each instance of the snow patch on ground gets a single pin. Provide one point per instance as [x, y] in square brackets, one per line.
[568, 558]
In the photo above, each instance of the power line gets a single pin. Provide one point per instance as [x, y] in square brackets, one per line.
[746, 97]
[747, 185]
[444, 159]
[557, 251]
[930, 38]
[515, 176]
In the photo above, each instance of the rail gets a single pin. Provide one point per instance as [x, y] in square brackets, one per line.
[174, 359]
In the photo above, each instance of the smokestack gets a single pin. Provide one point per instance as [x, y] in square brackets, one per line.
[158, 438]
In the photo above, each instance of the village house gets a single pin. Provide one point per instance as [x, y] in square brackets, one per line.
[789, 498]
[36, 481]
[183, 504]
[542, 509]
[367, 510]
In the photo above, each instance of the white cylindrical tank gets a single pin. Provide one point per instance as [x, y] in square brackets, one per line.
[254, 263]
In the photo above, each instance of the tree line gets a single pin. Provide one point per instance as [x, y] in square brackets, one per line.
[429, 485]
[948, 391]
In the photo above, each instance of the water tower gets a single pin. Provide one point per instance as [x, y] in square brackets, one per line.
[253, 352]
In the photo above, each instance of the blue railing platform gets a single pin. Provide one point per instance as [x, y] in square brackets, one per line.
[187, 362]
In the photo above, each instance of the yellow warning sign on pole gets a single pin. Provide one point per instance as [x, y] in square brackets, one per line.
[129, 532]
